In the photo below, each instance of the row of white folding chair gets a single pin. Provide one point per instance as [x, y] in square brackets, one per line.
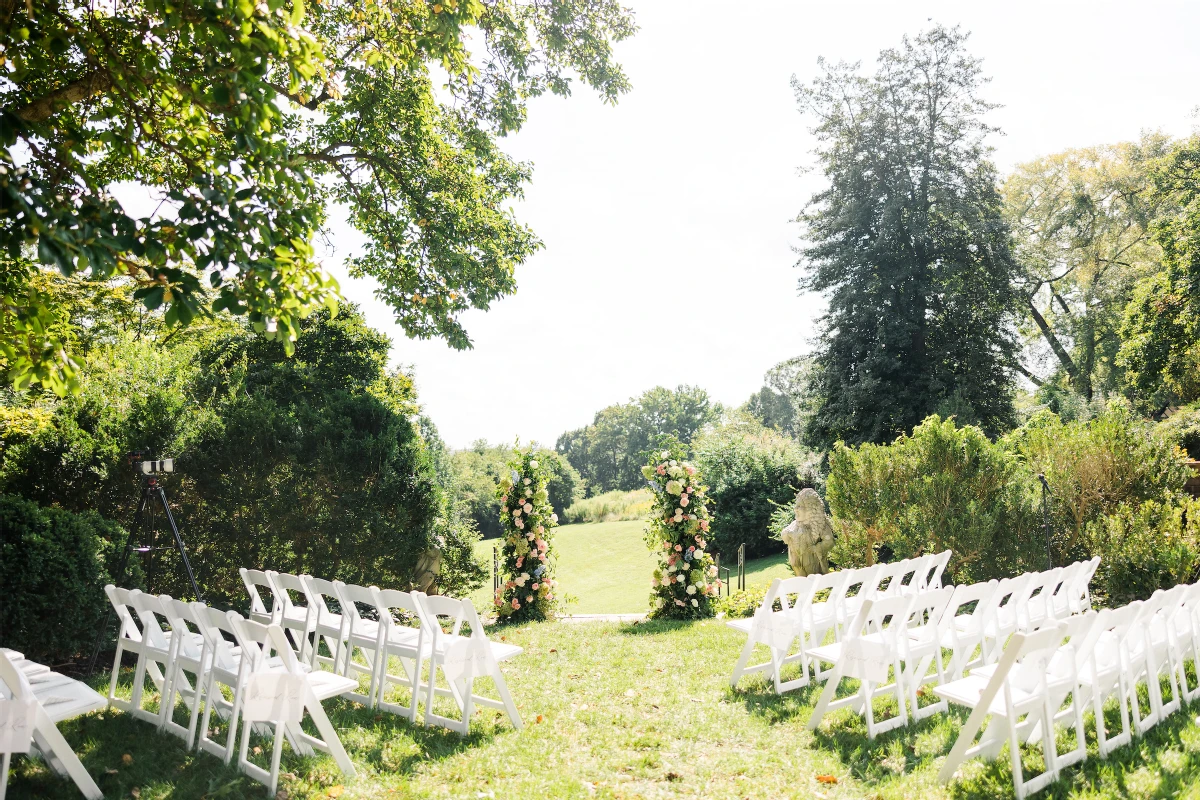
[1088, 658]
[822, 603]
[54, 698]
[889, 649]
[219, 649]
[349, 633]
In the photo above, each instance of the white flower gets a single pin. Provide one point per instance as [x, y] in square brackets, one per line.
[533, 464]
[528, 507]
[554, 517]
[666, 453]
[516, 513]
[524, 576]
[695, 604]
[520, 523]
[520, 581]
[674, 487]
[529, 536]
[682, 578]
[527, 481]
[691, 590]
[671, 568]
[674, 463]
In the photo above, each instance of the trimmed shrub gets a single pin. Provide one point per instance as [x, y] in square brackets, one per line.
[53, 567]
[750, 471]
[942, 487]
[1182, 428]
[1144, 547]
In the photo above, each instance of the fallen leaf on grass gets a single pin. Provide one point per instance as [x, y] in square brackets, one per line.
[673, 776]
[127, 759]
[257, 750]
[335, 791]
[539, 719]
[827, 779]
[553, 649]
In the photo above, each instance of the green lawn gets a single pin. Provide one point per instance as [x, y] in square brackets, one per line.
[626, 711]
[607, 567]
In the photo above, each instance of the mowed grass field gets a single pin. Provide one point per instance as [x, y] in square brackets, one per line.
[616, 711]
[607, 567]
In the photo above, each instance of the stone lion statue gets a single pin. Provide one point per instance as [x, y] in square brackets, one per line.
[810, 537]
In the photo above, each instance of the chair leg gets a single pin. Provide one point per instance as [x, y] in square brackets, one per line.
[329, 735]
[58, 748]
[502, 687]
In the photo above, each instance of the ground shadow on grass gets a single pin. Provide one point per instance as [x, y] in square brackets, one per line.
[653, 627]
[122, 753]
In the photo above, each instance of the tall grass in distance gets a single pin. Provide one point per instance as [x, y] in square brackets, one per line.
[610, 507]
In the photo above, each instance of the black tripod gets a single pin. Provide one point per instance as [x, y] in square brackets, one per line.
[144, 524]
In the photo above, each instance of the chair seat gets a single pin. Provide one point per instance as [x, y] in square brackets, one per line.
[743, 625]
[967, 692]
[501, 651]
[12, 654]
[829, 653]
[327, 684]
[68, 699]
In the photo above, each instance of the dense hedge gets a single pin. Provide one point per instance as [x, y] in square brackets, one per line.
[1115, 491]
[53, 568]
[750, 471]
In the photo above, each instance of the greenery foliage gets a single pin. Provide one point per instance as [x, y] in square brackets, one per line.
[750, 471]
[683, 586]
[53, 567]
[528, 591]
[1144, 547]
[610, 507]
[309, 463]
[909, 245]
[609, 452]
[250, 118]
[949, 486]
[1183, 429]
[943, 486]
[479, 468]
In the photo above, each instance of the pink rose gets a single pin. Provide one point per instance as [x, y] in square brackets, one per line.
[683, 501]
[499, 602]
[520, 561]
[550, 596]
[504, 499]
[529, 598]
[660, 470]
[690, 470]
[678, 548]
[703, 524]
[542, 557]
[515, 604]
[535, 587]
[677, 602]
[509, 585]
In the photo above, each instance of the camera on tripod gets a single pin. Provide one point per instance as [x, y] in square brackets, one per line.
[138, 459]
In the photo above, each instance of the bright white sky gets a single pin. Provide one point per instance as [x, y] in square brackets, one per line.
[666, 219]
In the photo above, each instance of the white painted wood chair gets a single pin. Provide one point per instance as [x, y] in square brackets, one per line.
[1185, 628]
[1149, 657]
[190, 655]
[1015, 693]
[851, 589]
[1103, 673]
[129, 640]
[157, 650]
[256, 581]
[1033, 604]
[298, 621]
[922, 649]
[963, 624]
[225, 670]
[1000, 615]
[870, 651]
[933, 577]
[462, 659]
[408, 645]
[777, 630]
[1080, 597]
[257, 641]
[364, 637]
[328, 627]
[59, 699]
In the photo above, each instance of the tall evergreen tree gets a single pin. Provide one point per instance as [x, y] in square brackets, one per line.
[909, 245]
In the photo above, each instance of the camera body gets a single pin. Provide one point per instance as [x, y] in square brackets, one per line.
[143, 465]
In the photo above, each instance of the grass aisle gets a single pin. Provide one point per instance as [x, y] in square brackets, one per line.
[626, 711]
[606, 566]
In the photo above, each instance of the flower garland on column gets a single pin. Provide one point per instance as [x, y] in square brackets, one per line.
[684, 584]
[526, 517]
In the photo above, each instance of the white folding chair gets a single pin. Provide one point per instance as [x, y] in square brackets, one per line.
[328, 626]
[870, 650]
[1033, 601]
[255, 581]
[777, 630]
[922, 648]
[963, 624]
[299, 622]
[1014, 694]
[1149, 657]
[1102, 673]
[461, 660]
[1081, 590]
[225, 670]
[1062, 602]
[190, 655]
[409, 645]
[60, 699]
[257, 642]
[1185, 628]
[364, 636]
[851, 588]
[1000, 615]
[910, 576]
[937, 567]
[130, 638]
